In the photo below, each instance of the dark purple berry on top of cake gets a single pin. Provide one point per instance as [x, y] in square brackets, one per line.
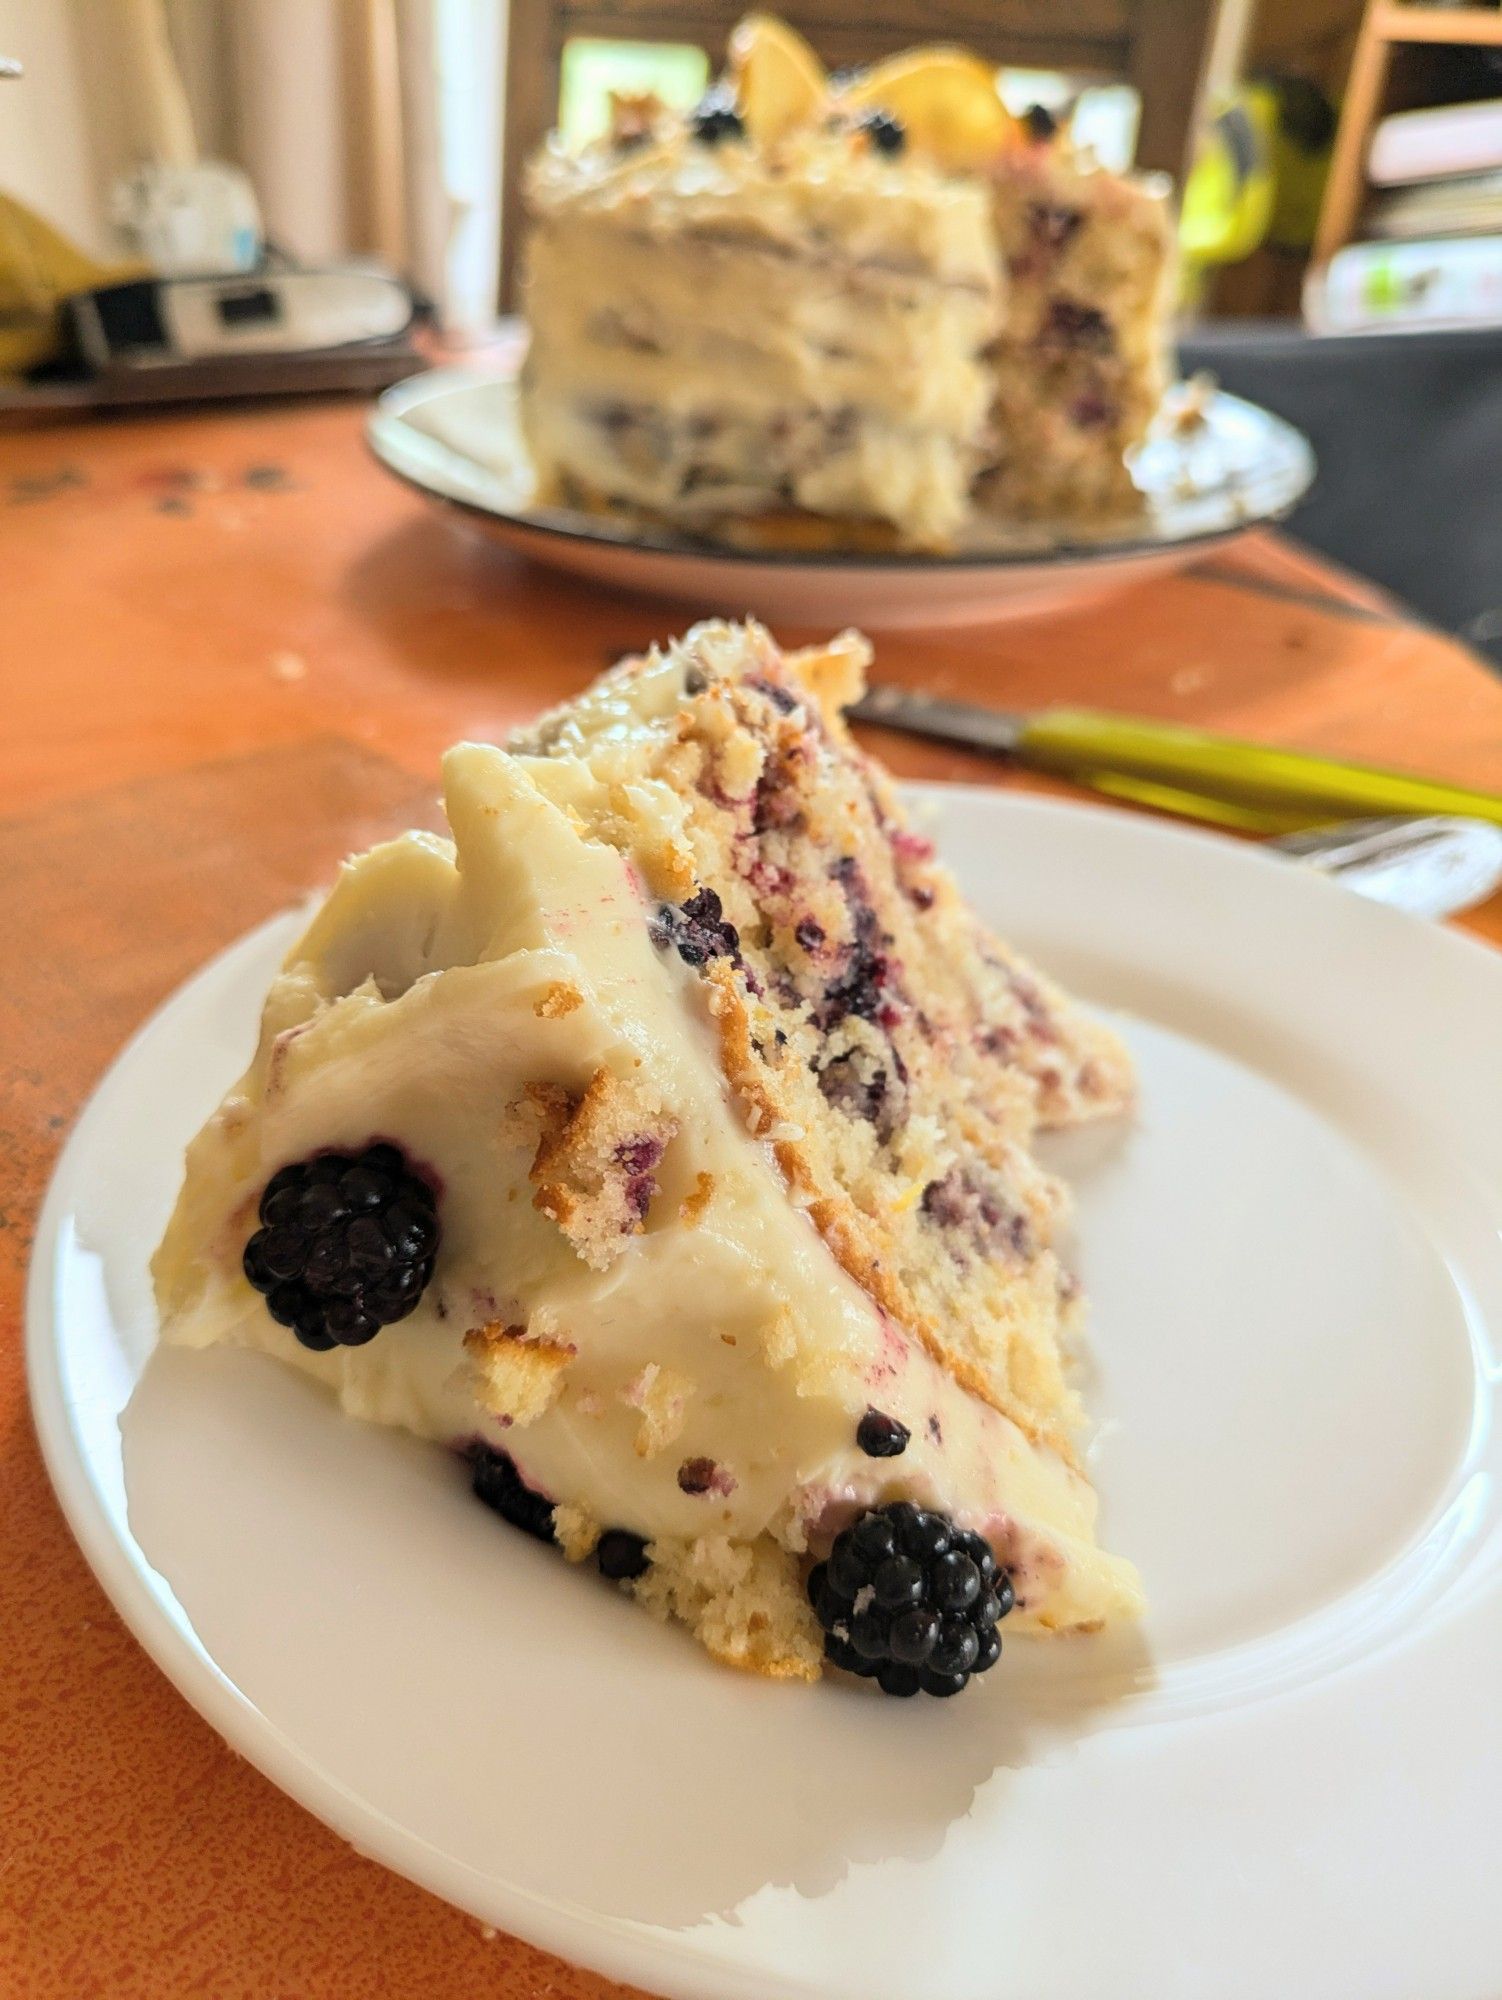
[883, 132]
[1040, 122]
[346, 1245]
[716, 118]
[881, 1436]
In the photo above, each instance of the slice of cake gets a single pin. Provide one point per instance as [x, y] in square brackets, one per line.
[1082, 361]
[662, 1144]
[877, 299]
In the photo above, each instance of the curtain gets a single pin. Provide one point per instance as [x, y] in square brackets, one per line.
[367, 127]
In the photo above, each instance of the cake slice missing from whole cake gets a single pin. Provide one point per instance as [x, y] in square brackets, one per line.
[663, 1143]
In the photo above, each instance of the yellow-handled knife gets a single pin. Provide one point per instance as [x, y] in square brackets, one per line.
[1251, 787]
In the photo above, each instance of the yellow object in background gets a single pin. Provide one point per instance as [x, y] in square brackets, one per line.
[39, 268]
[779, 82]
[1229, 196]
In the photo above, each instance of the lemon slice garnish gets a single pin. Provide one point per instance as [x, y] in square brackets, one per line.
[779, 82]
[946, 100]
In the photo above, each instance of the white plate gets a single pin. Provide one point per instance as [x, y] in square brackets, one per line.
[1288, 1783]
[454, 435]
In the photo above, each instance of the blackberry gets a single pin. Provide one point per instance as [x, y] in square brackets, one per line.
[881, 1436]
[496, 1481]
[717, 118]
[908, 1599]
[884, 133]
[346, 1245]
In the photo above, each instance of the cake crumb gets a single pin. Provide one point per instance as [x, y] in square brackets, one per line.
[661, 1396]
[698, 1198]
[518, 1374]
[558, 999]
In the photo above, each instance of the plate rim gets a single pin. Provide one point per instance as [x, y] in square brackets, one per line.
[399, 448]
[617, 1948]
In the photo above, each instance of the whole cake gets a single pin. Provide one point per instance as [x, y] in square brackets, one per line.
[662, 1144]
[876, 300]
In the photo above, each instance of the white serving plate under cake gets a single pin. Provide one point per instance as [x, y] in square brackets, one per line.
[1285, 1784]
[454, 434]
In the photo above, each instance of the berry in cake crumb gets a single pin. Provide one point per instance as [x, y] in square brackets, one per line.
[881, 1436]
[1053, 225]
[717, 118]
[1077, 327]
[702, 1475]
[697, 929]
[497, 1482]
[884, 133]
[346, 1245]
[621, 1555]
[910, 1598]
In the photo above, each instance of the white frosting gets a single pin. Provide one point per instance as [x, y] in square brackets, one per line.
[414, 1010]
[718, 329]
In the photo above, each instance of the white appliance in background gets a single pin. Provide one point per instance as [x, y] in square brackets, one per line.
[189, 219]
[177, 212]
[157, 322]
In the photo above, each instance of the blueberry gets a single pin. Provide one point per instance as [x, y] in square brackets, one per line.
[620, 1554]
[717, 118]
[884, 133]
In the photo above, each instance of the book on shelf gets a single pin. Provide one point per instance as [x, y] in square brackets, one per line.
[1451, 281]
[1468, 206]
[1437, 144]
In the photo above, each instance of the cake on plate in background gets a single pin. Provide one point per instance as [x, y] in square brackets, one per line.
[877, 301]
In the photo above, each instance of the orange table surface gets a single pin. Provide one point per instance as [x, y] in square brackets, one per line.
[231, 650]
